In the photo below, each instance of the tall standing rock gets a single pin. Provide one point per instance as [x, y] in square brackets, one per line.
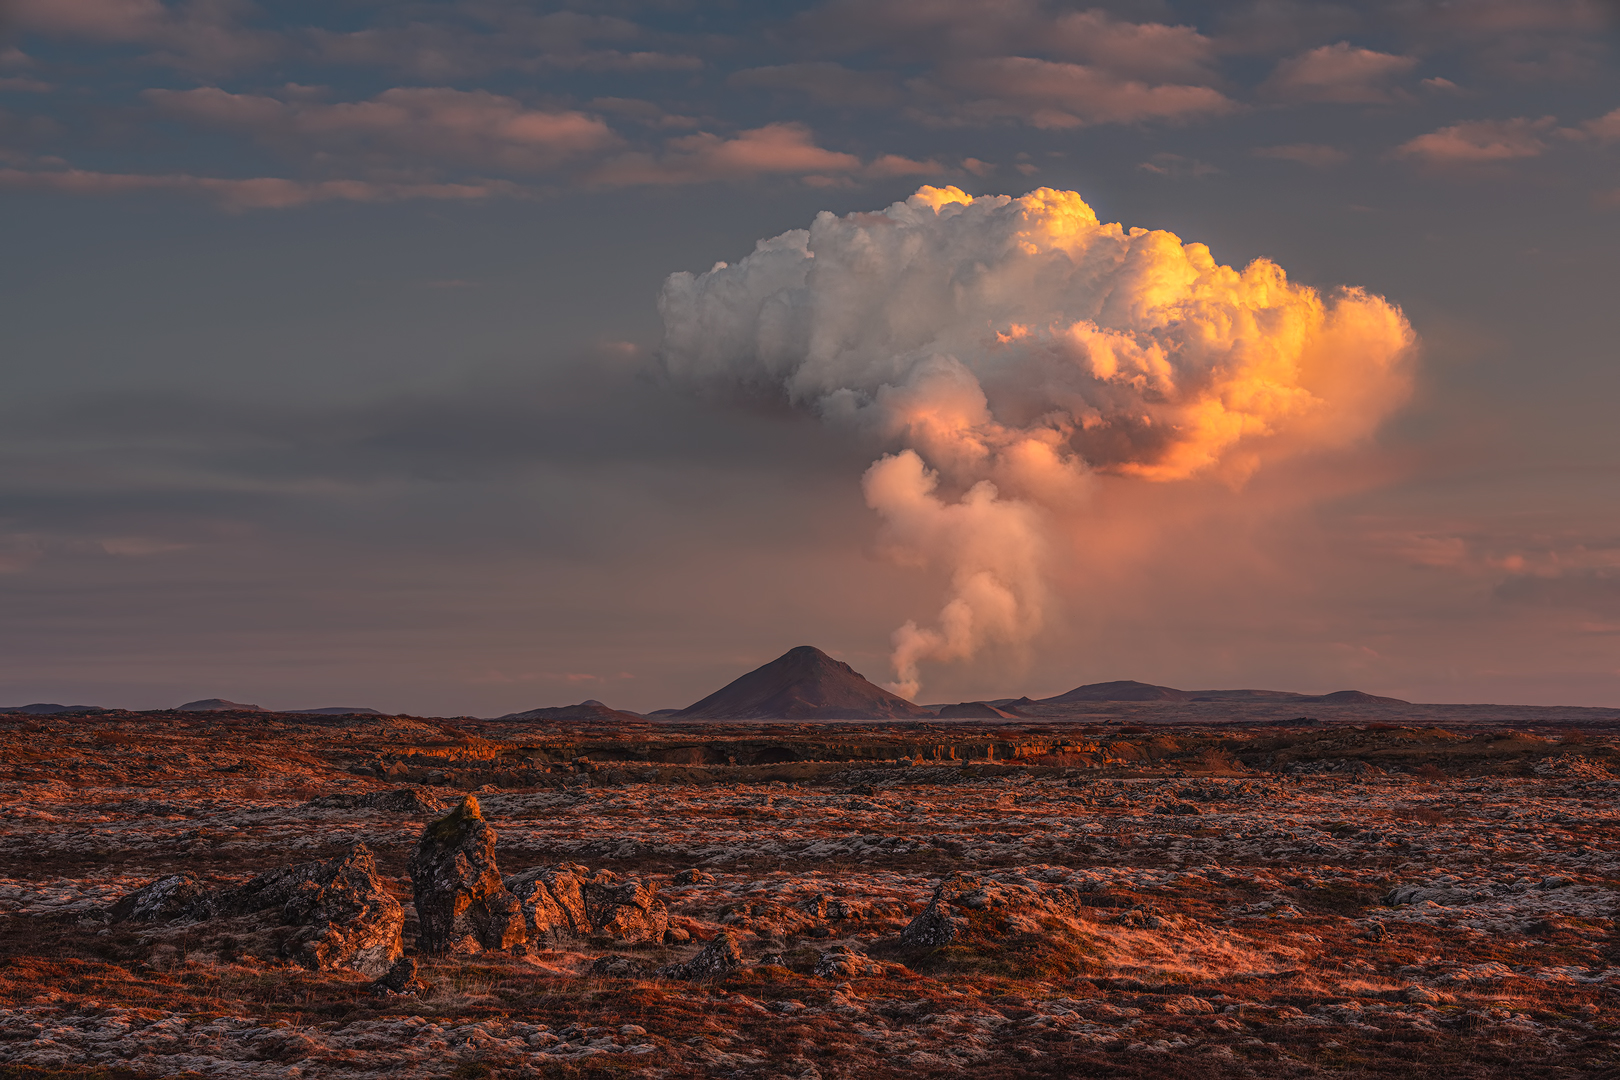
[460, 902]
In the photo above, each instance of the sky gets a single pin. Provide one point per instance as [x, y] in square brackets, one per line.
[377, 354]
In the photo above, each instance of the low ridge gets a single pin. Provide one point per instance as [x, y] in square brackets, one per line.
[1119, 690]
[1130, 690]
[214, 704]
[803, 683]
[589, 710]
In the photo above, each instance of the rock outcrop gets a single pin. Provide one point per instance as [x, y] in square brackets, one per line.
[571, 901]
[343, 916]
[998, 923]
[461, 904]
[717, 958]
[163, 900]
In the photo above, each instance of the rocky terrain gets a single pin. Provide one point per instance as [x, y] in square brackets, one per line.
[1156, 889]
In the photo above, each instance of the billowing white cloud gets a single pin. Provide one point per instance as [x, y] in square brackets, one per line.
[1008, 351]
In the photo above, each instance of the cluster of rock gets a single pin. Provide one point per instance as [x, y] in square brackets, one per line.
[342, 916]
[340, 913]
[465, 905]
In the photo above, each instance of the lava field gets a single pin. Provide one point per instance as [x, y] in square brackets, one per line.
[1140, 891]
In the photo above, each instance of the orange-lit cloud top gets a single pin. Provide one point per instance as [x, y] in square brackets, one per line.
[1011, 348]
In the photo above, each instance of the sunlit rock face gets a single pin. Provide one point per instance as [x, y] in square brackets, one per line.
[572, 900]
[460, 901]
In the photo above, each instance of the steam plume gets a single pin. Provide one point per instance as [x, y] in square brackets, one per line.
[1008, 350]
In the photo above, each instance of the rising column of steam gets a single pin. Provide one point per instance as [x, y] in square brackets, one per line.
[1005, 351]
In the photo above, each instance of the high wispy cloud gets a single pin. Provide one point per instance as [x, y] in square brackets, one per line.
[1480, 142]
[1340, 74]
[256, 193]
[474, 129]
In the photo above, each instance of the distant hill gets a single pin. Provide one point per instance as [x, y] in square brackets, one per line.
[803, 684]
[1119, 690]
[590, 710]
[977, 710]
[334, 710]
[1130, 690]
[214, 704]
[43, 709]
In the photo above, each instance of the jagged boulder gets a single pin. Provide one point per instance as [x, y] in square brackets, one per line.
[1001, 923]
[843, 962]
[570, 900]
[341, 914]
[717, 958]
[399, 979]
[345, 916]
[163, 900]
[461, 904]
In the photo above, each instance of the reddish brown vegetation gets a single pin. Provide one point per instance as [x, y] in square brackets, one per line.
[1347, 900]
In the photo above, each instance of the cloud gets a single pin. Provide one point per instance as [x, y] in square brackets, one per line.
[201, 35]
[465, 128]
[1316, 155]
[1479, 142]
[1521, 16]
[1154, 52]
[824, 82]
[995, 548]
[1177, 166]
[1341, 74]
[691, 159]
[1605, 127]
[1047, 94]
[257, 193]
[502, 37]
[1011, 352]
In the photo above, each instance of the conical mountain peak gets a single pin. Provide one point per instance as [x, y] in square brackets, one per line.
[803, 683]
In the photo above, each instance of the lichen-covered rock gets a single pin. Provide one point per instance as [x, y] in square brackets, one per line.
[998, 923]
[165, 899]
[342, 913]
[461, 904]
[399, 979]
[717, 958]
[618, 967]
[572, 901]
[843, 962]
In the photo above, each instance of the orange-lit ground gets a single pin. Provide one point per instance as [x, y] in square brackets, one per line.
[1348, 898]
